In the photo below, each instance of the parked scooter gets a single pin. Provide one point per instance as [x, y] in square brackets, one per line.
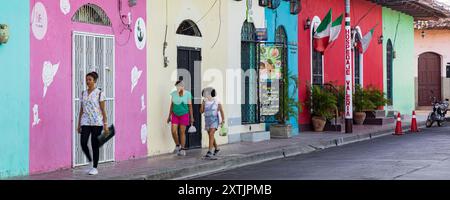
[439, 111]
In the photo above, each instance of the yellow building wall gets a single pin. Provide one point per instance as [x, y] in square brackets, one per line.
[216, 59]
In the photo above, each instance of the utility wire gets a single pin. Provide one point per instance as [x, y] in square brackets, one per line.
[206, 14]
[396, 29]
[220, 24]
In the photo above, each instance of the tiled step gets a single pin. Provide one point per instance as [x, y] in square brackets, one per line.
[255, 136]
[249, 137]
[376, 114]
[379, 121]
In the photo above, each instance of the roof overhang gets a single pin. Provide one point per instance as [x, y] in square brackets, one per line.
[419, 9]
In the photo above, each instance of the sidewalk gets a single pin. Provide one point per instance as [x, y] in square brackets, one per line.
[231, 156]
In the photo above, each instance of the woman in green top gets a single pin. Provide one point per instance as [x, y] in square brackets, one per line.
[180, 114]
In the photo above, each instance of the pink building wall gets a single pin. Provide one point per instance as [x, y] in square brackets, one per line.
[51, 139]
[435, 41]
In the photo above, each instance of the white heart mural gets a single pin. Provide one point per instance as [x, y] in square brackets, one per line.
[135, 76]
[48, 73]
[36, 119]
[144, 134]
[39, 21]
[142, 103]
[65, 6]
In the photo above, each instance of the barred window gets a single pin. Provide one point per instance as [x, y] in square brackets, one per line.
[188, 27]
[357, 68]
[389, 66]
[91, 14]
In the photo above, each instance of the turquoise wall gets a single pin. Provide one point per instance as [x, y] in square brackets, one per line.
[403, 64]
[282, 17]
[14, 93]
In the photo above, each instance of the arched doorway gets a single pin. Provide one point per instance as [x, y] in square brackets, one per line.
[189, 70]
[248, 66]
[281, 38]
[390, 71]
[429, 80]
[92, 51]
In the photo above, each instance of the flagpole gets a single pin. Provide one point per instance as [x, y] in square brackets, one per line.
[348, 72]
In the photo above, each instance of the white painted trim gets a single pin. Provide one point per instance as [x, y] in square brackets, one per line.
[314, 24]
[73, 142]
[361, 60]
[188, 41]
[105, 36]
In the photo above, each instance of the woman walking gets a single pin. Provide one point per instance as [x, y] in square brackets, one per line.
[181, 115]
[92, 119]
[211, 108]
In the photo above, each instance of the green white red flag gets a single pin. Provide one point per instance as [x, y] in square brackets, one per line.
[363, 43]
[322, 34]
[327, 32]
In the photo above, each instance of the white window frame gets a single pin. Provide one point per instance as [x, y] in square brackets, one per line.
[361, 59]
[74, 164]
[314, 25]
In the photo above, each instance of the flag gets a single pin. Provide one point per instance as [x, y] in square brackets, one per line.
[363, 44]
[322, 34]
[336, 28]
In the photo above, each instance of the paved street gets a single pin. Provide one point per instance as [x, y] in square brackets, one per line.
[412, 156]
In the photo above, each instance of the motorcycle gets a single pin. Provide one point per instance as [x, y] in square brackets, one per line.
[438, 114]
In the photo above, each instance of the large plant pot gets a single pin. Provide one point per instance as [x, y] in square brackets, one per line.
[318, 123]
[280, 131]
[359, 118]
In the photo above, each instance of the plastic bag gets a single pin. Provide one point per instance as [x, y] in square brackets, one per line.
[192, 129]
[223, 130]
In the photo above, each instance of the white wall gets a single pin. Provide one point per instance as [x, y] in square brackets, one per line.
[216, 60]
[237, 18]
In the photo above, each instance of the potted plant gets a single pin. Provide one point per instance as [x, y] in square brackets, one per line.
[377, 97]
[323, 104]
[341, 99]
[289, 108]
[361, 103]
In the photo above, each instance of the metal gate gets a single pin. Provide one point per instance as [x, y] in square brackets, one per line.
[92, 52]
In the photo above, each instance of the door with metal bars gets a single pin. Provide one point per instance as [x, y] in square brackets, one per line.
[92, 52]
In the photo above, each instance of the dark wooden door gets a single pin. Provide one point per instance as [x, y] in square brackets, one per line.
[429, 78]
[191, 75]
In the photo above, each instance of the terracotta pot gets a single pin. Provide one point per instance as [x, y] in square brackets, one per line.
[318, 123]
[359, 118]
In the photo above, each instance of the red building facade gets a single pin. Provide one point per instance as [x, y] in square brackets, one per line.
[365, 15]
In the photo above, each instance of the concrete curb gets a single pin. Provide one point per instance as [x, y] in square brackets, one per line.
[258, 157]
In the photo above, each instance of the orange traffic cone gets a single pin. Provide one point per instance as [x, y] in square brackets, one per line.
[414, 128]
[398, 128]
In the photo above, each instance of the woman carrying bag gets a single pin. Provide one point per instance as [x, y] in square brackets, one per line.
[92, 119]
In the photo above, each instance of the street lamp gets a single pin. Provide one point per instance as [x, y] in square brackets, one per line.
[380, 40]
[307, 24]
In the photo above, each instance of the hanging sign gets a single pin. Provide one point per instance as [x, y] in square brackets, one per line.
[261, 34]
[269, 78]
[348, 71]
